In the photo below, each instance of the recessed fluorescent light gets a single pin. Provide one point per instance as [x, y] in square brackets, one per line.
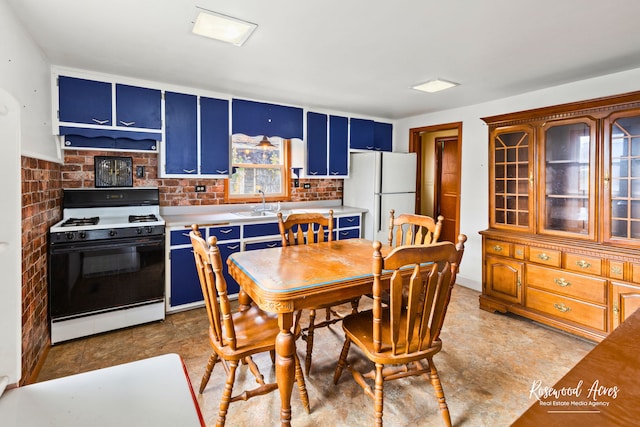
[434, 85]
[221, 27]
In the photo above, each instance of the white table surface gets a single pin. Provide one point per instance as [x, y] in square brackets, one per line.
[151, 392]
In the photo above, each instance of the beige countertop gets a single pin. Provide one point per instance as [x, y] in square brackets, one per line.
[180, 216]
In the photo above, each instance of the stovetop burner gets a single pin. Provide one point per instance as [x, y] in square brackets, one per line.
[75, 222]
[143, 218]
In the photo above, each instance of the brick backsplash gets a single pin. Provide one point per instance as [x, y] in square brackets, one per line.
[41, 195]
[78, 172]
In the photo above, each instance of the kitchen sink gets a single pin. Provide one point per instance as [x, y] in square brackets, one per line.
[256, 213]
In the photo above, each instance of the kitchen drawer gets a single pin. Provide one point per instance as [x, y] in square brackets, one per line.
[590, 315]
[545, 256]
[573, 285]
[262, 245]
[583, 264]
[225, 232]
[353, 233]
[349, 221]
[261, 229]
[519, 251]
[496, 247]
[180, 237]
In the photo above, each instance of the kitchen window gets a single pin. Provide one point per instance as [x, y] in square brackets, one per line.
[258, 167]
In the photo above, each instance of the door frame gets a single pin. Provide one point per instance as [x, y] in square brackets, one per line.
[415, 146]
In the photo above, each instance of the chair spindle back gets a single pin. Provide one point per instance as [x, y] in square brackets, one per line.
[304, 228]
[411, 229]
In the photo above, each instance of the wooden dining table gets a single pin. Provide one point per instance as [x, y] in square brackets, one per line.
[286, 279]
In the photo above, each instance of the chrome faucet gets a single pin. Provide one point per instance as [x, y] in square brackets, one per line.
[264, 204]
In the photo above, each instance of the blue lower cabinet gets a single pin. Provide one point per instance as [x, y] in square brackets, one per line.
[185, 284]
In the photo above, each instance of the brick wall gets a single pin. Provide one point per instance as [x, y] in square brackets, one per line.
[78, 172]
[41, 194]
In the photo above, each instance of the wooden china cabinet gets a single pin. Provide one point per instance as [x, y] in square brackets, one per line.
[563, 244]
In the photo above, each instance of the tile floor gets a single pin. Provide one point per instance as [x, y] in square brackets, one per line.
[487, 366]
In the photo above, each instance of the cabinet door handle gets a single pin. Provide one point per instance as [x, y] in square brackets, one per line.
[350, 219]
[233, 247]
[100, 122]
[561, 282]
[335, 173]
[222, 171]
[615, 308]
[313, 173]
[497, 248]
[226, 230]
[272, 245]
[561, 307]
[127, 123]
[544, 257]
[188, 170]
[583, 264]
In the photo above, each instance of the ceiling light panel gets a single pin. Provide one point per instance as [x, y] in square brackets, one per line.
[435, 85]
[221, 27]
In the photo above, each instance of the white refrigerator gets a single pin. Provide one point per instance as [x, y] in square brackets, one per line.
[379, 182]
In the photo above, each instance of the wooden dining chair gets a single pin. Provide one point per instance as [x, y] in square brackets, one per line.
[235, 337]
[402, 339]
[412, 229]
[306, 228]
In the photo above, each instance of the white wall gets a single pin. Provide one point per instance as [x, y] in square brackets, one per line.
[25, 73]
[25, 114]
[474, 208]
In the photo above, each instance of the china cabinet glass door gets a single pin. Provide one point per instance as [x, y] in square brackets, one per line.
[511, 179]
[568, 153]
[622, 179]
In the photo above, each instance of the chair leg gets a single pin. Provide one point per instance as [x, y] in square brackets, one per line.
[378, 398]
[437, 386]
[342, 362]
[226, 394]
[302, 387]
[207, 373]
[310, 329]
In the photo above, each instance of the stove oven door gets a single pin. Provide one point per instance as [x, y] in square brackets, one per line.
[94, 277]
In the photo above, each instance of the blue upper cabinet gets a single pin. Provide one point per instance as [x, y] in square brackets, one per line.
[87, 117]
[259, 118]
[362, 134]
[138, 107]
[84, 101]
[338, 146]
[383, 136]
[316, 144]
[371, 135]
[181, 127]
[214, 136]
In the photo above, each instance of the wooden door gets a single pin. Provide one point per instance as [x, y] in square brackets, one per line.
[447, 186]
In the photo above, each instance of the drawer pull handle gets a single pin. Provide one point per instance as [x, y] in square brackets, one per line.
[544, 257]
[561, 307]
[562, 283]
[497, 248]
[519, 252]
[233, 247]
[583, 264]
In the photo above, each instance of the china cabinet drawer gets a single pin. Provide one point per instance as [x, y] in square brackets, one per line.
[590, 315]
[583, 264]
[545, 256]
[569, 284]
[497, 247]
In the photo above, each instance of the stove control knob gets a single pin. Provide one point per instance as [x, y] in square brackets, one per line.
[83, 235]
[70, 236]
[149, 229]
[112, 233]
[139, 230]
